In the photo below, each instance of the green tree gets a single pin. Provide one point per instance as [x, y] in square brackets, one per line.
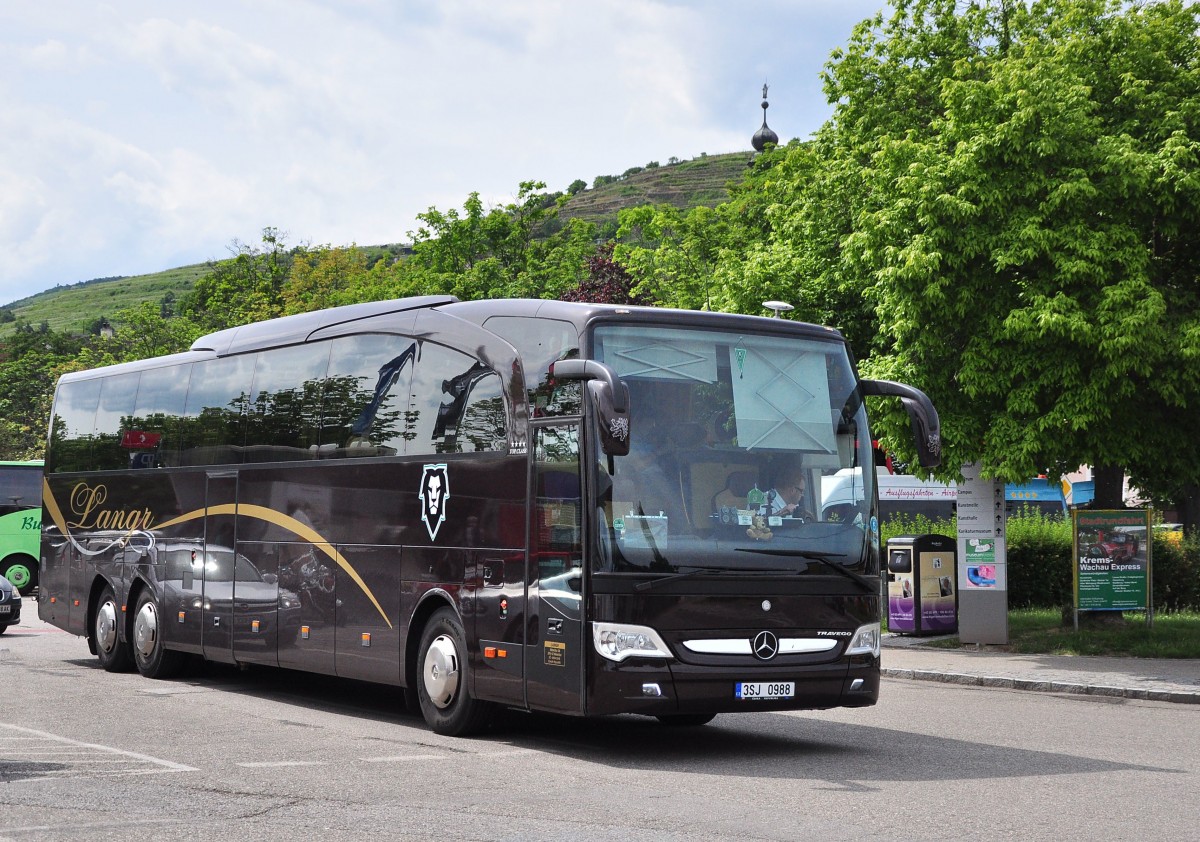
[671, 253]
[485, 252]
[1023, 188]
[31, 360]
[246, 288]
[139, 333]
[320, 277]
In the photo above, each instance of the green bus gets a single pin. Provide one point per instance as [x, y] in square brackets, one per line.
[20, 522]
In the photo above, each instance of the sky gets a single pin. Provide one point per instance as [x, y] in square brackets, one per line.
[143, 135]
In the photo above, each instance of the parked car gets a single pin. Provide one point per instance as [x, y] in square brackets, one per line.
[10, 605]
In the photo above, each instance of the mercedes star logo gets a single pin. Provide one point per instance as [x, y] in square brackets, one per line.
[765, 645]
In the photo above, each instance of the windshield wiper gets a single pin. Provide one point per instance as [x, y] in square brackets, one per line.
[720, 571]
[822, 558]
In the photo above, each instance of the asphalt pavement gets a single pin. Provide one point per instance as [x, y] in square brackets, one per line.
[1163, 680]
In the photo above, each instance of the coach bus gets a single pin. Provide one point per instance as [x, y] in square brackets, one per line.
[530, 504]
[20, 522]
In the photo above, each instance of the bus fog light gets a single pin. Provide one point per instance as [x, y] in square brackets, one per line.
[617, 641]
[865, 640]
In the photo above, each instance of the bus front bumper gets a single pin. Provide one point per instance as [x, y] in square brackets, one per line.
[662, 689]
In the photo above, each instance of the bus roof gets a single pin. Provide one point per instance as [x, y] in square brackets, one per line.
[295, 329]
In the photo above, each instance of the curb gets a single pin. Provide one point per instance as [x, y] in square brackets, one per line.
[969, 680]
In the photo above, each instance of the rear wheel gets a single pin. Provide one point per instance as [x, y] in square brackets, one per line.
[21, 572]
[111, 651]
[152, 658]
[687, 720]
[441, 681]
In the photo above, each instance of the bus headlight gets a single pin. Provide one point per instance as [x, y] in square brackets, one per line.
[618, 641]
[865, 640]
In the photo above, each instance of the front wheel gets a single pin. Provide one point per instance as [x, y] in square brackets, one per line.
[3, 629]
[111, 651]
[446, 702]
[152, 658]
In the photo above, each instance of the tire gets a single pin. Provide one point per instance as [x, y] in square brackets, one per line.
[686, 720]
[22, 572]
[112, 652]
[3, 629]
[441, 679]
[153, 660]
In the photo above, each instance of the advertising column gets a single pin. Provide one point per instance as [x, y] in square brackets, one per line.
[982, 560]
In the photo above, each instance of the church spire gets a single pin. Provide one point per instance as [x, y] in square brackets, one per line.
[764, 135]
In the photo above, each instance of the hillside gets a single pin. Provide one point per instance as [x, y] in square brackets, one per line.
[77, 306]
[686, 184]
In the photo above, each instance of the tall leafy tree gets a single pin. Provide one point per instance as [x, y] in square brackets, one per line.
[1023, 185]
[482, 252]
[139, 333]
[246, 288]
[320, 277]
[31, 359]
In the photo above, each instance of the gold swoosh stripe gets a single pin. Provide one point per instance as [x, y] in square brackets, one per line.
[260, 513]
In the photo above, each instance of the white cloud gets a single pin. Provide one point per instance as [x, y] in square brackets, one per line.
[144, 135]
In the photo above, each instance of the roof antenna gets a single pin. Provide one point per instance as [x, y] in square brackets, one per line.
[778, 307]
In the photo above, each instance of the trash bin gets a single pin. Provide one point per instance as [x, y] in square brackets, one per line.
[922, 591]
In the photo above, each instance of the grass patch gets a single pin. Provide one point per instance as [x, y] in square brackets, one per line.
[1041, 631]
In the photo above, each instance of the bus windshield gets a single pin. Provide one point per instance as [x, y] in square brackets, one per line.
[731, 434]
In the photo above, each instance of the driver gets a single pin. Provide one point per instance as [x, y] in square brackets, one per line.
[786, 498]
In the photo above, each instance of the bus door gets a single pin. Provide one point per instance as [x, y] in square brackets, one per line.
[555, 631]
[217, 567]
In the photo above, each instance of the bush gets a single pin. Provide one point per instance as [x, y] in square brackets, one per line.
[915, 525]
[1039, 561]
[1176, 571]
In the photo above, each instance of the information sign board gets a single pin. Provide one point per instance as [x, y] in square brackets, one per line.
[1112, 560]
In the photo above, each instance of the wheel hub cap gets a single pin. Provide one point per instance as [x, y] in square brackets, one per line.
[441, 671]
[145, 630]
[18, 575]
[106, 626]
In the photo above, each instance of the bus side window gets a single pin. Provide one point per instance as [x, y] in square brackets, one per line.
[444, 384]
[284, 414]
[157, 420]
[73, 426]
[213, 427]
[483, 422]
[541, 342]
[20, 488]
[558, 547]
[364, 399]
[110, 451]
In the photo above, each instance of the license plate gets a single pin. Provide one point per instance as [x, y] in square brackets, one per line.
[5, 609]
[764, 689]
